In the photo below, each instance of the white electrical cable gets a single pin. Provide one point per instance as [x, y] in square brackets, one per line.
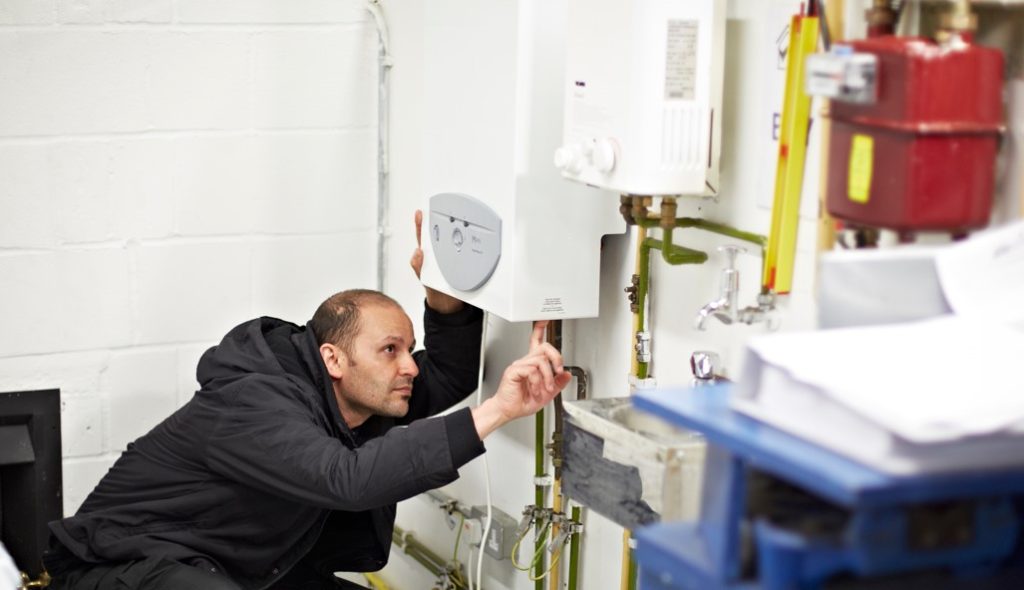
[487, 471]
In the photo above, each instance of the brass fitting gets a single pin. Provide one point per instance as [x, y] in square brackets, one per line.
[880, 14]
[668, 213]
[640, 205]
[632, 292]
[959, 18]
[43, 581]
[626, 209]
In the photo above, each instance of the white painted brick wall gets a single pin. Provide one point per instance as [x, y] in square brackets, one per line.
[270, 11]
[292, 276]
[140, 389]
[59, 82]
[27, 12]
[114, 11]
[334, 86]
[169, 168]
[192, 291]
[26, 201]
[81, 474]
[198, 80]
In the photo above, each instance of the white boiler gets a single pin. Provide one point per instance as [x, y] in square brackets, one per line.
[643, 95]
[502, 229]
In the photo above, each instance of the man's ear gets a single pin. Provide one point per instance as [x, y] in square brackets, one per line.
[334, 359]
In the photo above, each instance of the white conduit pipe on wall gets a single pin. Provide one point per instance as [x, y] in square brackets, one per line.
[383, 108]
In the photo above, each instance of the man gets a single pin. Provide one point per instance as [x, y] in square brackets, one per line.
[286, 465]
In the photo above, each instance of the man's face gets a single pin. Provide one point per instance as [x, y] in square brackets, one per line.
[377, 377]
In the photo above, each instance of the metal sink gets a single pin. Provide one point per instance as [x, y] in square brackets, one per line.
[630, 466]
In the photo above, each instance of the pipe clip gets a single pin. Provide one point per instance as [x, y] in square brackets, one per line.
[533, 515]
[544, 481]
[643, 347]
[566, 528]
[632, 293]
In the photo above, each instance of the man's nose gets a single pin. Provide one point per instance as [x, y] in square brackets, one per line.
[409, 366]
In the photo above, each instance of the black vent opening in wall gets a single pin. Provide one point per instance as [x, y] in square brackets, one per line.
[30, 474]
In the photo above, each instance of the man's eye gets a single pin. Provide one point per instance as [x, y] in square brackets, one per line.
[389, 348]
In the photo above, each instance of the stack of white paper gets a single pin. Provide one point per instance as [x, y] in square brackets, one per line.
[945, 394]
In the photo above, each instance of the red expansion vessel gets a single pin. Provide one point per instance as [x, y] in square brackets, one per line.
[922, 157]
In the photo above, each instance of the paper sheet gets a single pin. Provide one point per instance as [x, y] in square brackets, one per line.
[933, 381]
[983, 277]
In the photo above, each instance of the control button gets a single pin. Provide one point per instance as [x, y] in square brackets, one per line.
[437, 233]
[569, 158]
[604, 155]
[457, 238]
[476, 242]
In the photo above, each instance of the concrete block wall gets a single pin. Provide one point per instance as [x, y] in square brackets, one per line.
[169, 168]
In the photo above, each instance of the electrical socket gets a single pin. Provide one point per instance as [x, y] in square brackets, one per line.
[502, 534]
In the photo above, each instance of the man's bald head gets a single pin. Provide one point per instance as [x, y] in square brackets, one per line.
[336, 321]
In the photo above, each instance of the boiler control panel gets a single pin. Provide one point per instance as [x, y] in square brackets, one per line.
[466, 237]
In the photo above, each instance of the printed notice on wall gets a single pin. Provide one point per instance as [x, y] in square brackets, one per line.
[681, 60]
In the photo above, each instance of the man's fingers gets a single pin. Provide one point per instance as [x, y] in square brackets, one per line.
[553, 356]
[537, 337]
[419, 228]
[547, 373]
[416, 262]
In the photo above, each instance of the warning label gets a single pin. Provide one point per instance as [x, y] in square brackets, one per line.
[552, 305]
[681, 60]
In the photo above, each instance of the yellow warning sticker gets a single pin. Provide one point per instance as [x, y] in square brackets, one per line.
[862, 157]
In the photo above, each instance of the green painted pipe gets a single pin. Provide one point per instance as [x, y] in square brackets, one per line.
[633, 570]
[574, 552]
[538, 491]
[416, 550]
[711, 226]
[641, 296]
[675, 254]
[722, 229]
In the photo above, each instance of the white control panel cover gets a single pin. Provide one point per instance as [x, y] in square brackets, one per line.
[466, 236]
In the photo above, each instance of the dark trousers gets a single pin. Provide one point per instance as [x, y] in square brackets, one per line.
[153, 573]
[157, 573]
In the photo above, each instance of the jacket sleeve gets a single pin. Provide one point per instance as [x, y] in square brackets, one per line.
[268, 442]
[449, 364]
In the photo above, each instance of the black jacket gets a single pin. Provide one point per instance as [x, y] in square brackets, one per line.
[247, 474]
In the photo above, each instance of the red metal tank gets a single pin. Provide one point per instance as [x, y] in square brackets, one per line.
[922, 157]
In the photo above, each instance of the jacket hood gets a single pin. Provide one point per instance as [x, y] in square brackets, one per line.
[247, 350]
[273, 347]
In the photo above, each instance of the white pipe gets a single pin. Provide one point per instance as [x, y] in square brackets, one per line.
[383, 107]
[487, 468]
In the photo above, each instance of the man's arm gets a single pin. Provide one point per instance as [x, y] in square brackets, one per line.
[263, 440]
[449, 365]
[527, 385]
